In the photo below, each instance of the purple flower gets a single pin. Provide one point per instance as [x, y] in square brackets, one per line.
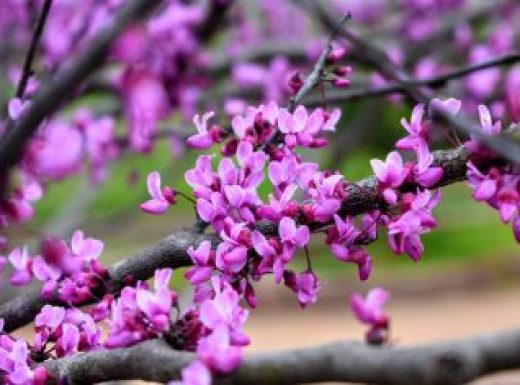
[424, 173]
[512, 90]
[482, 83]
[327, 193]
[217, 352]
[486, 122]
[204, 139]
[161, 198]
[484, 187]
[203, 259]
[305, 285]
[195, 373]
[21, 262]
[369, 310]
[450, 105]
[418, 131]
[390, 174]
[300, 128]
[224, 309]
[201, 178]
[16, 107]
[404, 231]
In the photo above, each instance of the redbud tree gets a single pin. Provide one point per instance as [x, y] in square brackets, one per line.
[256, 88]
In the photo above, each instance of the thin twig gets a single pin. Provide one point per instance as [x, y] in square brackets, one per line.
[432, 82]
[314, 77]
[27, 71]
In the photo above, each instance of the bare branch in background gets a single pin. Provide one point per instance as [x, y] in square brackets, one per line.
[377, 58]
[53, 94]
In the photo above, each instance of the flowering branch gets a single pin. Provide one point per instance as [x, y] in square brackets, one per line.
[454, 362]
[362, 197]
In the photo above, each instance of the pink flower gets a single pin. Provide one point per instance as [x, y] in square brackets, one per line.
[424, 173]
[203, 260]
[418, 131]
[369, 310]
[390, 174]
[486, 123]
[16, 107]
[161, 198]
[145, 104]
[450, 105]
[482, 83]
[300, 128]
[56, 153]
[217, 352]
[305, 285]
[224, 309]
[484, 187]
[21, 262]
[204, 139]
[195, 373]
[512, 90]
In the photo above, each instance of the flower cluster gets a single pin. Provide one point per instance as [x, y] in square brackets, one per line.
[141, 313]
[72, 272]
[16, 364]
[68, 330]
[498, 186]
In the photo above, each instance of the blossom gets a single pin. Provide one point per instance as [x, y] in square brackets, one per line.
[327, 192]
[488, 127]
[512, 87]
[203, 259]
[161, 198]
[141, 313]
[217, 352]
[390, 174]
[204, 139]
[300, 127]
[369, 310]
[405, 230]
[418, 131]
[305, 285]
[450, 105]
[224, 309]
[21, 262]
[195, 373]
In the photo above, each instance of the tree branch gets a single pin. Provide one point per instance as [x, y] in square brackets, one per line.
[52, 95]
[27, 66]
[448, 363]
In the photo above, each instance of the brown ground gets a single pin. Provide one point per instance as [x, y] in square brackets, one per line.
[415, 321]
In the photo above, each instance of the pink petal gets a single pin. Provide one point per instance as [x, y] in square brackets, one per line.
[154, 185]
[155, 207]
